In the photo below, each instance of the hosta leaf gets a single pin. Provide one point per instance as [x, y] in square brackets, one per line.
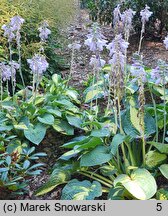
[63, 127]
[70, 154]
[76, 141]
[74, 121]
[108, 170]
[58, 176]
[117, 140]
[92, 143]
[116, 193]
[54, 112]
[135, 119]
[6, 127]
[154, 159]
[35, 133]
[85, 190]
[164, 170]
[103, 132]
[163, 148]
[92, 95]
[20, 126]
[97, 156]
[46, 119]
[141, 184]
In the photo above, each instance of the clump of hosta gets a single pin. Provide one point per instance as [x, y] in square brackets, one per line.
[44, 31]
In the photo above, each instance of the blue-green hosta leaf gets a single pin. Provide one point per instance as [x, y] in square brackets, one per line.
[103, 132]
[76, 141]
[35, 133]
[20, 126]
[5, 127]
[55, 112]
[46, 119]
[97, 156]
[70, 154]
[116, 193]
[164, 170]
[154, 159]
[85, 190]
[132, 131]
[63, 127]
[117, 140]
[141, 184]
[162, 148]
[74, 121]
[58, 176]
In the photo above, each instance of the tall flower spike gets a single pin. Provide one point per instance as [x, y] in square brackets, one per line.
[159, 75]
[116, 16]
[8, 32]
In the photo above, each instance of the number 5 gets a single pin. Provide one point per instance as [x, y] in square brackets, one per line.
[159, 207]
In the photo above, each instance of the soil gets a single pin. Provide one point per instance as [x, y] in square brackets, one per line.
[77, 31]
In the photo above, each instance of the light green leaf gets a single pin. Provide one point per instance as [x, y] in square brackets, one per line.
[154, 159]
[163, 148]
[103, 132]
[63, 127]
[141, 184]
[74, 121]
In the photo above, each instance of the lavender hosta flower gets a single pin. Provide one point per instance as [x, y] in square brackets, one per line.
[6, 71]
[116, 15]
[95, 40]
[16, 23]
[166, 42]
[8, 32]
[126, 18]
[97, 62]
[145, 14]
[159, 75]
[44, 31]
[117, 45]
[118, 59]
[75, 46]
[38, 64]
[138, 72]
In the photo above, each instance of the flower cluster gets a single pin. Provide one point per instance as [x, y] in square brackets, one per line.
[95, 40]
[8, 70]
[145, 14]
[38, 64]
[160, 73]
[97, 62]
[44, 31]
[11, 29]
[117, 50]
[137, 69]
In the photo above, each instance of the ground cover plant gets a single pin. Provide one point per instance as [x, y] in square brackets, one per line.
[117, 125]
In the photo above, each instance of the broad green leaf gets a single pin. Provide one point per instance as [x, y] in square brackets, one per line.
[117, 140]
[103, 132]
[154, 159]
[97, 156]
[54, 112]
[6, 127]
[164, 170]
[107, 170]
[163, 148]
[58, 176]
[92, 143]
[141, 184]
[76, 141]
[63, 127]
[135, 119]
[74, 121]
[46, 119]
[70, 154]
[85, 190]
[92, 95]
[35, 133]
